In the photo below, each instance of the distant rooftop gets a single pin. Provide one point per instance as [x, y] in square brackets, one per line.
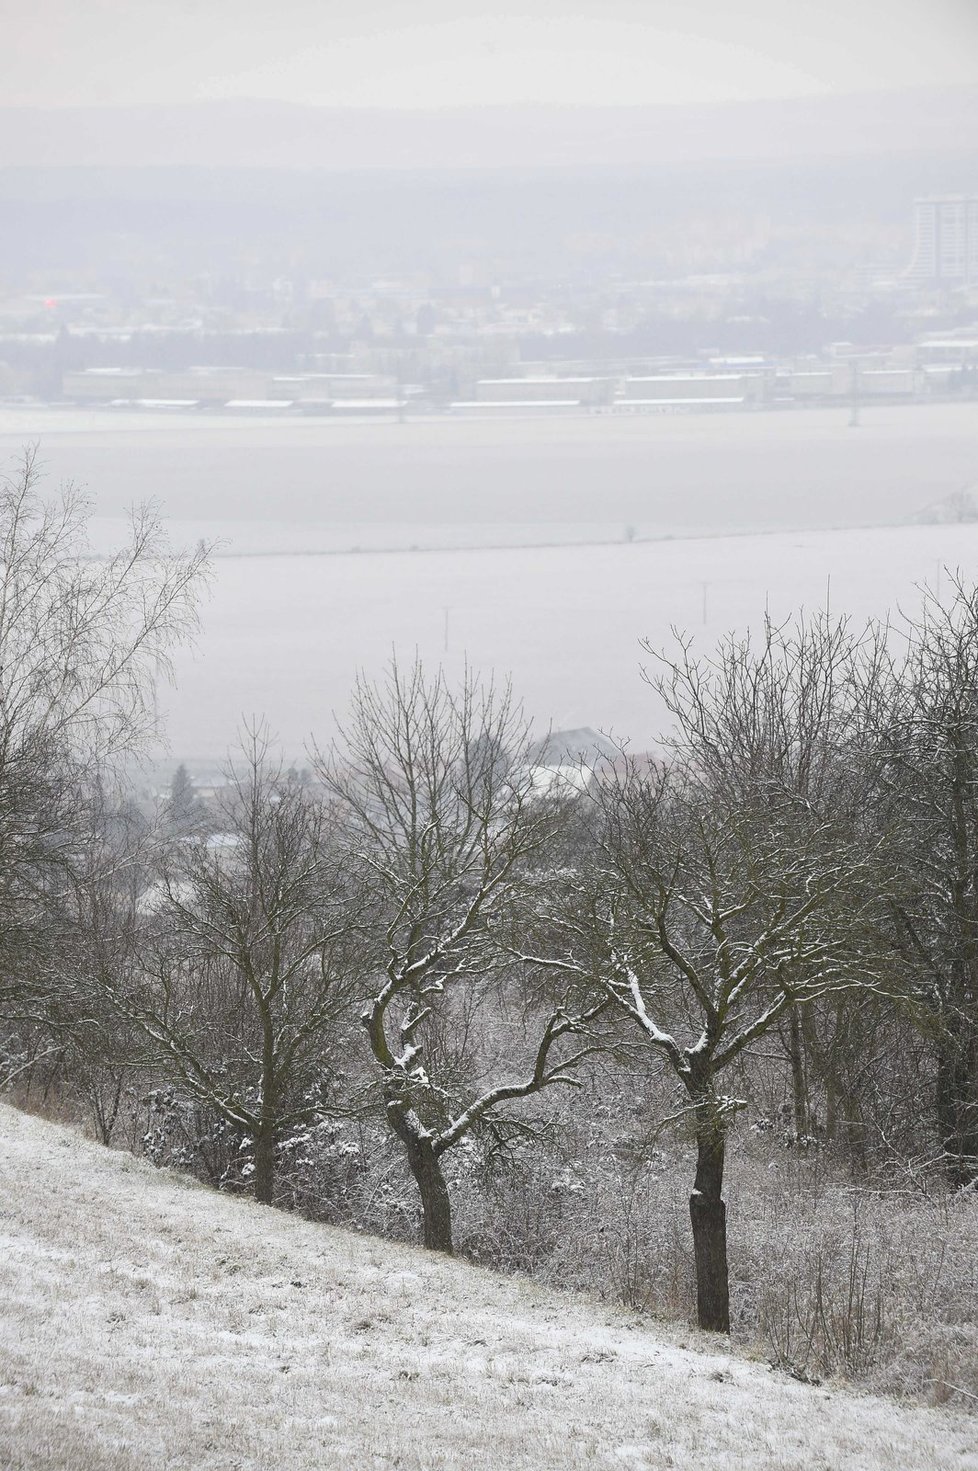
[582, 745]
[258, 403]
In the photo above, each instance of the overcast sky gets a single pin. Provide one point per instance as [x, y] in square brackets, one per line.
[438, 53]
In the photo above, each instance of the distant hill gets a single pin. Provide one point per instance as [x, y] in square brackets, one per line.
[280, 135]
[151, 1323]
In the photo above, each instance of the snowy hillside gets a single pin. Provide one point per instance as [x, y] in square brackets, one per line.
[149, 1323]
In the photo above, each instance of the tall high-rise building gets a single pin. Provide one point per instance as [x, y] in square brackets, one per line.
[946, 240]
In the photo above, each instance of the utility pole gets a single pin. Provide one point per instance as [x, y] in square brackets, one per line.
[854, 394]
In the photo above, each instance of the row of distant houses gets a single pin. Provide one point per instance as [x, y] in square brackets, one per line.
[921, 372]
[242, 390]
[700, 391]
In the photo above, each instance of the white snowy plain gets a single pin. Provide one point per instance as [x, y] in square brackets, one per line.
[150, 1324]
[285, 636]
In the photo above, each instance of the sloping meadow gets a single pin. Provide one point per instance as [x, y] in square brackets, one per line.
[152, 1323]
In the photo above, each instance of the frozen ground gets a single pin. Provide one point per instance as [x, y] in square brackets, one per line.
[285, 636]
[151, 1325]
[670, 473]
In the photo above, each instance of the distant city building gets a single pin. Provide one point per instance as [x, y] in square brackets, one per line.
[946, 240]
[549, 389]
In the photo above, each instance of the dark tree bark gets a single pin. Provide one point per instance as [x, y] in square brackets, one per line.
[265, 1133]
[436, 1206]
[264, 1177]
[708, 1217]
[799, 1082]
[424, 1162]
[957, 1104]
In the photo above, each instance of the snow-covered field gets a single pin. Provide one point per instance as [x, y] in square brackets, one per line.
[673, 473]
[284, 636]
[151, 1325]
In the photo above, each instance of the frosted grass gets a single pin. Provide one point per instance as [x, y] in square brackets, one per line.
[151, 1323]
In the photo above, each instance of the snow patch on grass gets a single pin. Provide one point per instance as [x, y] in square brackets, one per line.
[151, 1326]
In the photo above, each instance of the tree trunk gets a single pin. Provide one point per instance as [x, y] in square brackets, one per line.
[708, 1216]
[799, 1083]
[855, 1133]
[106, 1111]
[831, 1097]
[436, 1206]
[265, 1134]
[264, 1176]
[957, 1103]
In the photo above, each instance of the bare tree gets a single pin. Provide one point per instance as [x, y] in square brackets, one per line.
[730, 886]
[717, 922]
[241, 978]
[794, 713]
[927, 806]
[82, 641]
[776, 712]
[450, 846]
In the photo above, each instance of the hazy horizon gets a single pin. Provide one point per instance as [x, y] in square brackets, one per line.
[246, 133]
[626, 267]
[444, 53]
